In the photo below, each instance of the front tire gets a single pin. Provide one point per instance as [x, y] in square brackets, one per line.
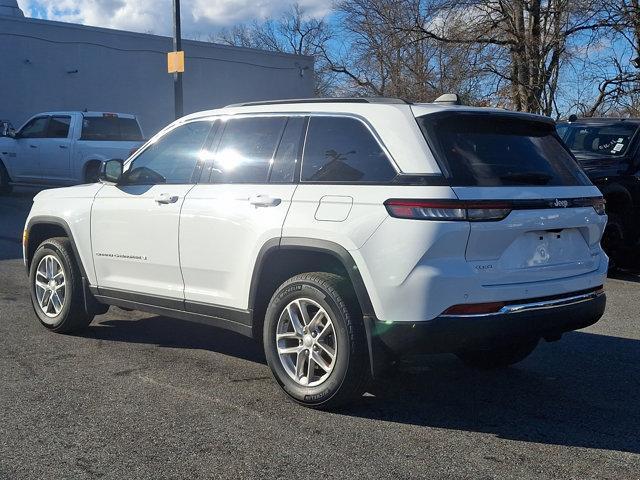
[56, 287]
[492, 358]
[314, 340]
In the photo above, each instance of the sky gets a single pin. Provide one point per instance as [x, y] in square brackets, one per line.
[199, 17]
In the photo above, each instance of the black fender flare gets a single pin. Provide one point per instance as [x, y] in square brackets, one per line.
[91, 305]
[374, 347]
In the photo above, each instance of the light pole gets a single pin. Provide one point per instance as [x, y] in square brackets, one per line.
[177, 47]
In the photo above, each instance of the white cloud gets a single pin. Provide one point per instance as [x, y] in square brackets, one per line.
[198, 16]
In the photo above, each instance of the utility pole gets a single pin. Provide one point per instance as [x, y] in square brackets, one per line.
[177, 47]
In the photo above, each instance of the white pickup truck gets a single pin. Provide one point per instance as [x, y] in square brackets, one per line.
[64, 148]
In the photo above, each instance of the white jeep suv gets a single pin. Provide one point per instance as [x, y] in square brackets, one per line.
[342, 233]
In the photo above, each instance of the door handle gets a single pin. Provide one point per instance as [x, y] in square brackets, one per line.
[264, 201]
[165, 198]
[62, 146]
[33, 146]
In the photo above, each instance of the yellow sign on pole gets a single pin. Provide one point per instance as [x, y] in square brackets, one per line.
[175, 62]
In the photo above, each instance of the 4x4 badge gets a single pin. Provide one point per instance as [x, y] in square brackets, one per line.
[560, 203]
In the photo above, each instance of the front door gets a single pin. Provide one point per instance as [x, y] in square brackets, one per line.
[29, 141]
[240, 207]
[54, 152]
[134, 225]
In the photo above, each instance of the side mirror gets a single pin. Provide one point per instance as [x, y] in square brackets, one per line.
[6, 129]
[110, 172]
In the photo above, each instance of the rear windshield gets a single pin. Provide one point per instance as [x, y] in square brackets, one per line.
[110, 128]
[601, 140]
[494, 150]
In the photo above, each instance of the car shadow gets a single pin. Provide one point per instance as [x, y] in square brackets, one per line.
[583, 391]
[626, 275]
[175, 333]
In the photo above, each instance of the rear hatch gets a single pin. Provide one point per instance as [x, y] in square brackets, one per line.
[545, 217]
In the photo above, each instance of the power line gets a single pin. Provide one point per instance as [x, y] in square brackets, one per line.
[137, 50]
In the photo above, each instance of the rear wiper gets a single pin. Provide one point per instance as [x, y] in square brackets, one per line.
[524, 178]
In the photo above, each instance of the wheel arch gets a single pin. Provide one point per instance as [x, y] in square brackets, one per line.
[42, 227]
[617, 196]
[300, 255]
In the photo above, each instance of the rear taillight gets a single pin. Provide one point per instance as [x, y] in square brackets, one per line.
[598, 205]
[475, 211]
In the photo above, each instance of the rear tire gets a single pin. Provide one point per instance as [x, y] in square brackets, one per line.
[331, 332]
[5, 186]
[498, 357]
[56, 287]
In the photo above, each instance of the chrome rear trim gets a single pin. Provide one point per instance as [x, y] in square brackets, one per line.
[533, 306]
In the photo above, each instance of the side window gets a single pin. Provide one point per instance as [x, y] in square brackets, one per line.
[340, 149]
[246, 150]
[36, 128]
[172, 158]
[59, 127]
[287, 156]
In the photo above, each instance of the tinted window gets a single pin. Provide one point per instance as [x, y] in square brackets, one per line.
[246, 150]
[602, 140]
[284, 163]
[343, 150]
[171, 159]
[59, 127]
[482, 150]
[110, 128]
[36, 128]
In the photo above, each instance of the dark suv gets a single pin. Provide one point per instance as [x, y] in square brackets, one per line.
[609, 151]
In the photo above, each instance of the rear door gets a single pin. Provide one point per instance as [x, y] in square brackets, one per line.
[238, 207]
[549, 230]
[134, 225]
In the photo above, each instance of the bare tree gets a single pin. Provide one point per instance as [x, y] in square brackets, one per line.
[380, 53]
[294, 33]
[529, 39]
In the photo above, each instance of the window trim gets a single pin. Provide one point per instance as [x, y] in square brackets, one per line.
[373, 133]
[197, 169]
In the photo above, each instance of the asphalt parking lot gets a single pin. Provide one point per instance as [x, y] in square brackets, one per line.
[140, 396]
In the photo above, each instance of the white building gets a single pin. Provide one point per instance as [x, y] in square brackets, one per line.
[49, 66]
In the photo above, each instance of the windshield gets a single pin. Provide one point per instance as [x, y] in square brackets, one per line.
[499, 150]
[602, 140]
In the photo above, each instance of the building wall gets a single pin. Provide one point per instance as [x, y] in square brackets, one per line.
[48, 66]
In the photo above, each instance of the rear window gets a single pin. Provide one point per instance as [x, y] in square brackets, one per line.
[110, 128]
[601, 140]
[483, 150]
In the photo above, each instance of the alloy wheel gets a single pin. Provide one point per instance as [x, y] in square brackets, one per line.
[306, 342]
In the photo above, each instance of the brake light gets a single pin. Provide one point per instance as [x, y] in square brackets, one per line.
[474, 308]
[452, 210]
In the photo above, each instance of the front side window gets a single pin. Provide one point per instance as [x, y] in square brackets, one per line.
[499, 150]
[246, 150]
[36, 128]
[342, 149]
[172, 158]
[600, 140]
[59, 127]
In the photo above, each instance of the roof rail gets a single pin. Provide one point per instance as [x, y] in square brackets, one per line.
[387, 100]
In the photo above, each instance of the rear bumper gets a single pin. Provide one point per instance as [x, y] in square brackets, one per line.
[447, 334]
